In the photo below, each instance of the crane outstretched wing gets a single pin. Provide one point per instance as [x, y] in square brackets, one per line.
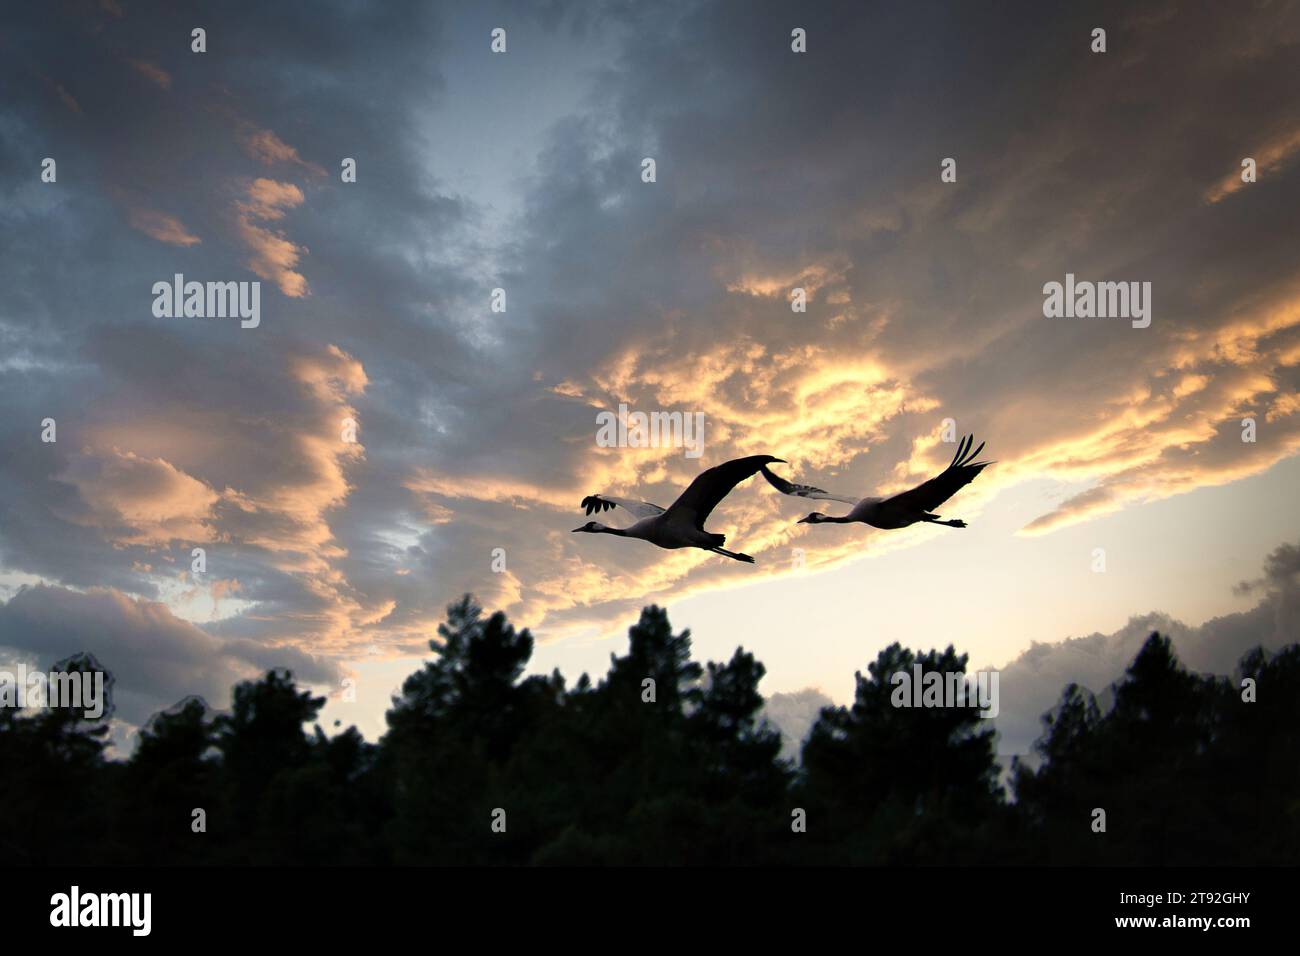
[931, 494]
[802, 491]
[714, 484]
[596, 504]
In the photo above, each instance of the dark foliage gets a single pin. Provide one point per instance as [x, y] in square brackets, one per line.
[666, 762]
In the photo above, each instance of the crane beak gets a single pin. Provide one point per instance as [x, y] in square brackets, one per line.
[576, 530]
[804, 521]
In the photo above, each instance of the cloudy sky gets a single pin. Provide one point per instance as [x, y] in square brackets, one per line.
[476, 428]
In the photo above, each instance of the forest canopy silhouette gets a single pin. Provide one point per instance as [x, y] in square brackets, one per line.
[481, 765]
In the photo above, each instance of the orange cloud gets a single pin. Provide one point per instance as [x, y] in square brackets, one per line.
[802, 402]
[274, 258]
[164, 228]
[1182, 430]
[1271, 157]
[267, 148]
[140, 501]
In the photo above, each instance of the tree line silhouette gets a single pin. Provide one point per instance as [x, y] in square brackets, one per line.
[1185, 769]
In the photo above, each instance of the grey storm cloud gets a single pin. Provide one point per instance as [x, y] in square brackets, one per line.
[1031, 685]
[155, 657]
[794, 713]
